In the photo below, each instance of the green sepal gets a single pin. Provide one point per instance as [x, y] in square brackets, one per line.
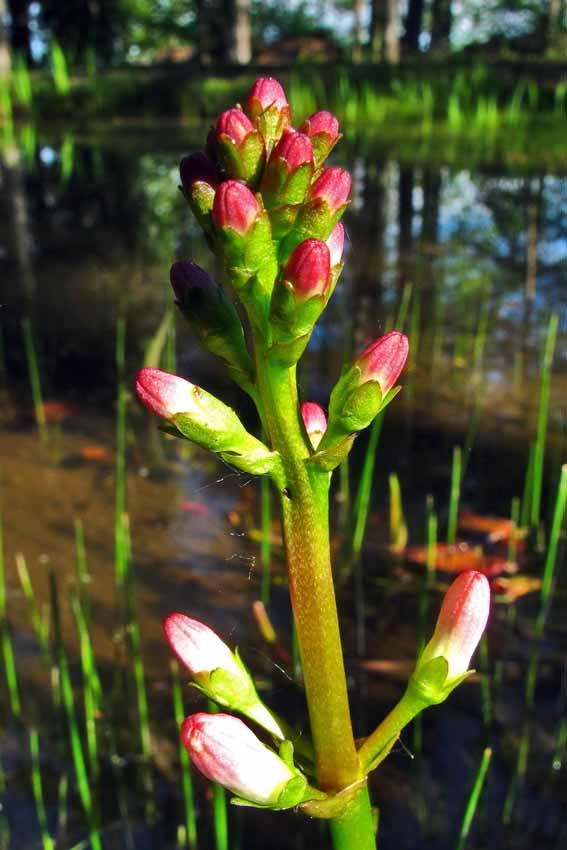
[361, 406]
[271, 123]
[429, 684]
[283, 220]
[244, 161]
[321, 148]
[292, 316]
[315, 221]
[280, 188]
[333, 456]
[201, 202]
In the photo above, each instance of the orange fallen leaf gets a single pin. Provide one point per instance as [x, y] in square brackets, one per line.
[57, 411]
[497, 529]
[96, 454]
[510, 589]
[188, 506]
[455, 558]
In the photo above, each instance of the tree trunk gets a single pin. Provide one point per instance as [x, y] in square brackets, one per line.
[5, 53]
[357, 46]
[413, 24]
[377, 26]
[239, 32]
[405, 225]
[203, 40]
[19, 29]
[392, 32]
[441, 23]
[553, 14]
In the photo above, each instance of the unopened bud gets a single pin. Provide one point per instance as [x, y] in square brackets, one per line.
[213, 317]
[383, 360]
[308, 269]
[226, 751]
[267, 107]
[198, 416]
[323, 130]
[199, 180]
[332, 188]
[315, 421]
[289, 171]
[461, 622]
[235, 207]
[336, 244]
[240, 145]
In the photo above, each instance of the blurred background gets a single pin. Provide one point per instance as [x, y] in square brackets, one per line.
[454, 121]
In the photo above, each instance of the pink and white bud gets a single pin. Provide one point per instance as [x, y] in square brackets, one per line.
[197, 168]
[234, 124]
[166, 394]
[332, 188]
[315, 421]
[226, 751]
[235, 207]
[336, 244]
[308, 269]
[383, 360]
[322, 123]
[461, 622]
[293, 149]
[266, 92]
[198, 647]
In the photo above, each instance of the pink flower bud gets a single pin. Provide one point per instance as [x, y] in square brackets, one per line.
[383, 360]
[332, 187]
[336, 243]
[264, 93]
[322, 123]
[308, 269]
[460, 625]
[198, 647]
[314, 420]
[234, 124]
[235, 207]
[228, 752]
[294, 149]
[165, 394]
[197, 168]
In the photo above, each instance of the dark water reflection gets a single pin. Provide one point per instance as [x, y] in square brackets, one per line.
[88, 230]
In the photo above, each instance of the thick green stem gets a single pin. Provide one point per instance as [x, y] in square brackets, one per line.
[305, 512]
[355, 829]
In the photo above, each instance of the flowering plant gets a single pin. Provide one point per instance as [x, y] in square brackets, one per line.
[270, 211]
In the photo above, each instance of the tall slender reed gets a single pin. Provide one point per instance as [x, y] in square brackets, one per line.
[455, 495]
[6, 640]
[190, 831]
[39, 624]
[92, 689]
[37, 786]
[120, 546]
[543, 414]
[35, 381]
[472, 803]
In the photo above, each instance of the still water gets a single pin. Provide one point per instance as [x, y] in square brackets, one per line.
[472, 258]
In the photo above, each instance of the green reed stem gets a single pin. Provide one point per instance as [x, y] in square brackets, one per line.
[513, 540]
[186, 780]
[120, 546]
[546, 585]
[137, 660]
[454, 496]
[485, 682]
[92, 690]
[472, 804]
[79, 762]
[266, 538]
[62, 807]
[35, 380]
[543, 413]
[37, 786]
[83, 578]
[6, 640]
[398, 527]
[40, 626]
[220, 815]
[528, 489]
[344, 499]
[362, 499]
